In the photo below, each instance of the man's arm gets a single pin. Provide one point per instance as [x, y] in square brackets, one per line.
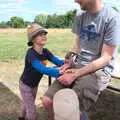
[72, 74]
[75, 48]
[76, 44]
[106, 55]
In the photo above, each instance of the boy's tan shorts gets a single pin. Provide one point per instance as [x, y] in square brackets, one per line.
[87, 88]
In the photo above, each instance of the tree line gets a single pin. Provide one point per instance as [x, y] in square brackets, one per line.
[48, 21]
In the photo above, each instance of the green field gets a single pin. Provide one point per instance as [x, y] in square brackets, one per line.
[13, 46]
[12, 51]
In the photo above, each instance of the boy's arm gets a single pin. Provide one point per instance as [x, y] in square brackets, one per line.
[54, 72]
[56, 61]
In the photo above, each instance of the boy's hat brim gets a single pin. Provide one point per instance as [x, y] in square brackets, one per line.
[40, 30]
[66, 105]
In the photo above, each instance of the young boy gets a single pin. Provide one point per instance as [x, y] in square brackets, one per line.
[35, 67]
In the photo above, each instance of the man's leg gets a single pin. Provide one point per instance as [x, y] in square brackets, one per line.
[89, 87]
[47, 99]
[48, 105]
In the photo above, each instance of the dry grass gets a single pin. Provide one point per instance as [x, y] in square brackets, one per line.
[10, 99]
[12, 30]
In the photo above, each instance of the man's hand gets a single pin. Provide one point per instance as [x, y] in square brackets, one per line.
[67, 78]
[74, 71]
[64, 67]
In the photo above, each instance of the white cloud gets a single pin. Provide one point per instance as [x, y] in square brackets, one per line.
[112, 3]
[21, 8]
[10, 8]
[3, 6]
[17, 1]
[64, 5]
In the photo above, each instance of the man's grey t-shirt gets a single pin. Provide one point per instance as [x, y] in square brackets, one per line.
[95, 30]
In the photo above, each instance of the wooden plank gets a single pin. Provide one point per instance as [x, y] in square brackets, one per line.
[114, 88]
[116, 72]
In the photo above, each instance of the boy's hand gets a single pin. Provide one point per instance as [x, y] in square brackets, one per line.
[64, 67]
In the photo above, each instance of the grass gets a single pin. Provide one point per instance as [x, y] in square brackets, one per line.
[13, 46]
[12, 51]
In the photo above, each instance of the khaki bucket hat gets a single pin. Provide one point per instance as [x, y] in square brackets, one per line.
[32, 30]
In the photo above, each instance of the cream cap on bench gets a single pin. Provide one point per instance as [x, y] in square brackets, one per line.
[66, 105]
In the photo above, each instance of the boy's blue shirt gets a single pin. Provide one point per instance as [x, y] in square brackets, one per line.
[54, 72]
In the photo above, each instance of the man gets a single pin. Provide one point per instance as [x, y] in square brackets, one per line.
[97, 36]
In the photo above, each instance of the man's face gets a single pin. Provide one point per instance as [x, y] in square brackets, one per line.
[85, 4]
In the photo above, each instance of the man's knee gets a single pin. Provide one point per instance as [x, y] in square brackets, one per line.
[47, 102]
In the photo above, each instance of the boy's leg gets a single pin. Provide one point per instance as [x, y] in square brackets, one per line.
[29, 95]
[23, 109]
[47, 99]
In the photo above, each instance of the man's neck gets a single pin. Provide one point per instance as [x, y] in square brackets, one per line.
[96, 8]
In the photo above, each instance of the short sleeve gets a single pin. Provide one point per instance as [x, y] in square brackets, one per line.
[48, 54]
[77, 23]
[112, 31]
[31, 56]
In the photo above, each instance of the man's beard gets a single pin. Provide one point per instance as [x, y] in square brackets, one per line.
[83, 8]
[86, 7]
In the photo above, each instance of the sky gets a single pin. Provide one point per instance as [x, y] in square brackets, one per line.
[28, 9]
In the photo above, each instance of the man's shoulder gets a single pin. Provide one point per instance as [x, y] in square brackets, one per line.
[110, 13]
[79, 15]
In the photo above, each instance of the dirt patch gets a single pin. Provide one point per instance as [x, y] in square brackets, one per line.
[10, 98]
[12, 30]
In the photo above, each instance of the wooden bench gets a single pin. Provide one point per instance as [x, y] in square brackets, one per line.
[115, 75]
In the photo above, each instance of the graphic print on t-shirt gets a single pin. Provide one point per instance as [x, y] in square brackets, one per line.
[44, 62]
[89, 32]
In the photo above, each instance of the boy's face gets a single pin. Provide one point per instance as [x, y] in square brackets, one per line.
[40, 39]
[86, 4]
